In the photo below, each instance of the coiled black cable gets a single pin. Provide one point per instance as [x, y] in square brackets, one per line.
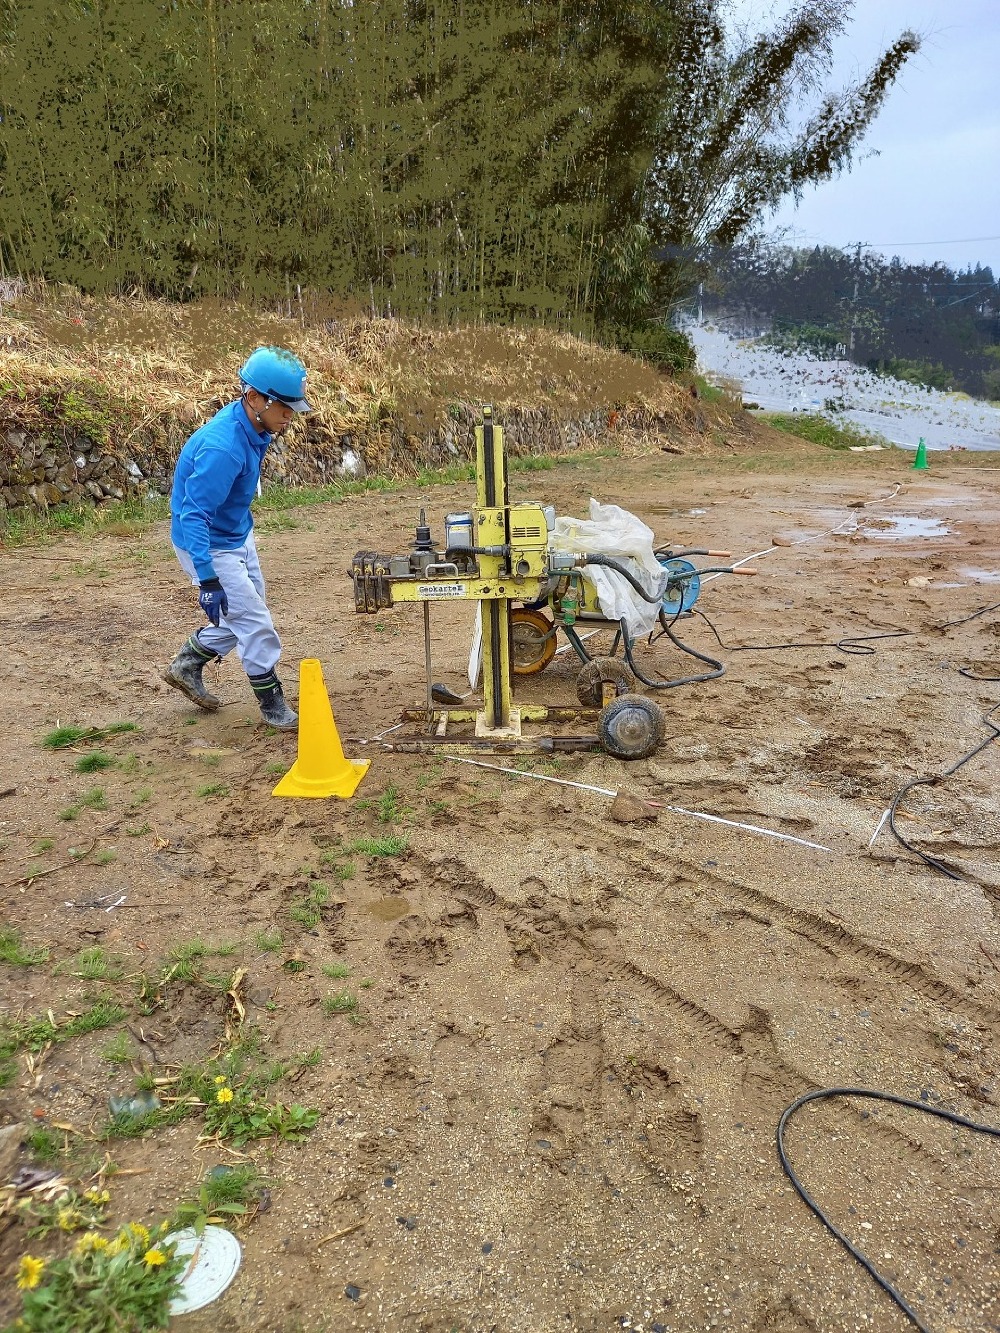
[800, 1189]
[718, 668]
[850, 643]
[932, 861]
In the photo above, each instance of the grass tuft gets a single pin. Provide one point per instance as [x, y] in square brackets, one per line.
[308, 911]
[13, 951]
[343, 1002]
[34, 1034]
[95, 965]
[389, 844]
[94, 762]
[64, 736]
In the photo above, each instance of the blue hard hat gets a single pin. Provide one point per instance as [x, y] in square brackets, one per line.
[279, 374]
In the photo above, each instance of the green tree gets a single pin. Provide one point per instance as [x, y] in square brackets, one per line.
[747, 124]
[449, 158]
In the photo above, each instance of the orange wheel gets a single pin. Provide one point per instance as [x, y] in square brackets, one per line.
[532, 642]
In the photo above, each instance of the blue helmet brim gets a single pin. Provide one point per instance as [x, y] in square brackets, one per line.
[296, 404]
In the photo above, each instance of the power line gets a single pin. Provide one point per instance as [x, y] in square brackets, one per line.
[960, 240]
[960, 299]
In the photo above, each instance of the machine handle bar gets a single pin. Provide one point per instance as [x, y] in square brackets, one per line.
[669, 554]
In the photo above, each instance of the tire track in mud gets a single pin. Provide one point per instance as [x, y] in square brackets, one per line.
[824, 934]
[704, 1023]
[762, 1063]
[754, 1043]
[516, 918]
[643, 1102]
[765, 1065]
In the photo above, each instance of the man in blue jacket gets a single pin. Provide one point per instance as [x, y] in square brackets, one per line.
[215, 480]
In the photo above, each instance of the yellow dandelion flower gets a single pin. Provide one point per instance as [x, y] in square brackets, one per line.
[68, 1218]
[137, 1231]
[29, 1272]
[97, 1196]
[154, 1257]
[224, 1095]
[220, 1079]
[91, 1243]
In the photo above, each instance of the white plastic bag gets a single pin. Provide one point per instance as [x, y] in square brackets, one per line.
[615, 532]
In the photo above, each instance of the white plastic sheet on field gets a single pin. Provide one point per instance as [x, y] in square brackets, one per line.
[796, 382]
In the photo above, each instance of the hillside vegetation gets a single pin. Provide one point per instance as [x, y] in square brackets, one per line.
[121, 384]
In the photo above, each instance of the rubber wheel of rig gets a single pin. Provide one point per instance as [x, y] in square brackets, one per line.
[630, 727]
[530, 650]
[602, 670]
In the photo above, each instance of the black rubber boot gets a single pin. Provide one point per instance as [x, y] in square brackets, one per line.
[184, 674]
[273, 708]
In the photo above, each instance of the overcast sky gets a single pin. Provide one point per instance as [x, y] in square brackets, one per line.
[933, 191]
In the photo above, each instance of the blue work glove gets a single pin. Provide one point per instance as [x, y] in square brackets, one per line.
[213, 600]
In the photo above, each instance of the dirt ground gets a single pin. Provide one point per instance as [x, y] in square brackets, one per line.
[576, 1037]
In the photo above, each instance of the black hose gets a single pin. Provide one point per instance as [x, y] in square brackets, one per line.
[499, 551]
[852, 1249]
[577, 642]
[861, 644]
[965, 619]
[593, 558]
[667, 629]
[932, 861]
[854, 644]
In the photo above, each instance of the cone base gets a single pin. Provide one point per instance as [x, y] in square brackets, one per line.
[343, 784]
[321, 768]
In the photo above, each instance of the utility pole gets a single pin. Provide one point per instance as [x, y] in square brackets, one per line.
[854, 300]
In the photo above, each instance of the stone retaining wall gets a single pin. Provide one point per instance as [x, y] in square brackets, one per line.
[59, 463]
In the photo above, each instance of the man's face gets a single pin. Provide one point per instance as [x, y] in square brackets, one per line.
[275, 417]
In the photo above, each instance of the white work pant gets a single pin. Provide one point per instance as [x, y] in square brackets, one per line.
[247, 625]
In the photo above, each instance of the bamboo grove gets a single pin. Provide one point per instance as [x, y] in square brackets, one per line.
[542, 159]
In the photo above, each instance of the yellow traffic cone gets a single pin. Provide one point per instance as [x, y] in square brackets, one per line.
[321, 768]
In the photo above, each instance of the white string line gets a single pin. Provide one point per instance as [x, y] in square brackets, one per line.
[881, 825]
[520, 773]
[750, 828]
[827, 532]
[674, 809]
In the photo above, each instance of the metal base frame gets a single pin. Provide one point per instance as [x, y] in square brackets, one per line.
[436, 723]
